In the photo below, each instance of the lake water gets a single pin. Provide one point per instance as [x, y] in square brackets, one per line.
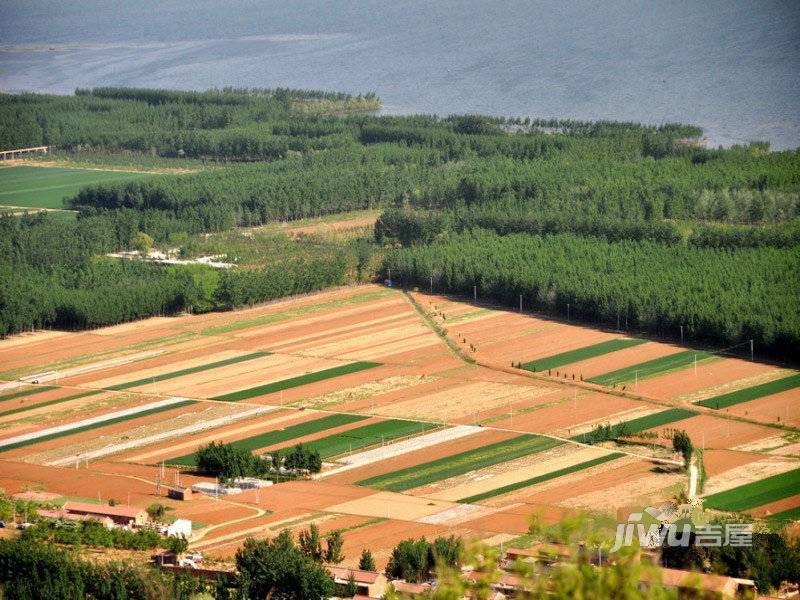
[732, 67]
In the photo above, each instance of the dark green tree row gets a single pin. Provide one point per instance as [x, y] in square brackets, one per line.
[415, 559]
[31, 570]
[720, 296]
[50, 277]
[92, 533]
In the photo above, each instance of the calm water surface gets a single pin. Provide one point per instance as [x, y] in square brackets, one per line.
[732, 67]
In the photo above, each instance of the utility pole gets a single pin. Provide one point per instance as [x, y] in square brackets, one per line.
[431, 284]
[475, 293]
[751, 350]
[681, 334]
[520, 303]
[567, 312]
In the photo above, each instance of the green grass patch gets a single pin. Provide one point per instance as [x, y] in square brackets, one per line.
[652, 368]
[122, 419]
[647, 422]
[458, 464]
[271, 438]
[47, 187]
[368, 435]
[20, 409]
[189, 371]
[758, 493]
[545, 477]
[752, 393]
[26, 392]
[297, 312]
[292, 382]
[565, 358]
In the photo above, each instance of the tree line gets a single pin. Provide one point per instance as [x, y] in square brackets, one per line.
[720, 296]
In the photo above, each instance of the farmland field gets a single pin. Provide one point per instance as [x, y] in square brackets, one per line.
[441, 441]
[565, 358]
[286, 384]
[752, 393]
[756, 494]
[368, 435]
[652, 368]
[541, 478]
[46, 187]
[271, 438]
[450, 466]
[665, 417]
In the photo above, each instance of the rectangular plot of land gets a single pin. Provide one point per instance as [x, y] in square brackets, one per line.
[92, 423]
[20, 409]
[46, 187]
[450, 466]
[541, 478]
[643, 423]
[369, 435]
[286, 384]
[270, 438]
[652, 368]
[26, 392]
[756, 494]
[189, 371]
[565, 358]
[752, 393]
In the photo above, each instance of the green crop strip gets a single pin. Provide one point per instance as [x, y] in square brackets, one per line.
[758, 493]
[20, 409]
[458, 464]
[28, 392]
[786, 516]
[545, 477]
[60, 434]
[270, 438]
[189, 371]
[565, 358]
[652, 368]
[368, 435]
[292, 382]
[752, 393]
[643, 423]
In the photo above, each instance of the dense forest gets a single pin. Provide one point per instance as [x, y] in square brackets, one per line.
[611, 218]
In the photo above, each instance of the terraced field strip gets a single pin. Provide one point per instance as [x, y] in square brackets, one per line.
[286, 384]
[786, 516]
[545, 477]
[28, 392]
[758, 493]
[458, 464]
[752, 393]
[648, 422]
[20, 409]
[93, 423]
[46, 187]
[652, 368]
[189, 371]
[368, 435]
[270, 438]
[565, 358]
[297, 312]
